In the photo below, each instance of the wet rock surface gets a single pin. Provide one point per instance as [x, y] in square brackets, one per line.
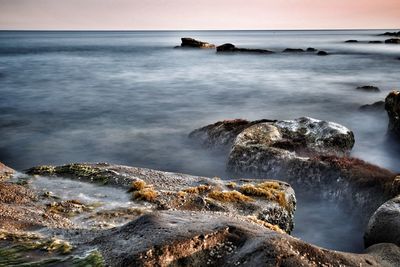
[193, 43]
[5, 172]
[392, 106]
[384, 224]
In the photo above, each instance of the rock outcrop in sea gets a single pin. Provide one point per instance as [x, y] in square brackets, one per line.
[392, 106]
[232, 48]
[193, 43]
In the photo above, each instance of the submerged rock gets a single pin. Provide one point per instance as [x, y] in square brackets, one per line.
[311, 49]
[177, 238]
[232, 48]
[375, 42]
[393, 41]
[5, 172]
[368, 88]
[193, 43]
[351, 41]
[392, 106]
[384, 225]
[322, 53]
[293, 50]
[377, 106]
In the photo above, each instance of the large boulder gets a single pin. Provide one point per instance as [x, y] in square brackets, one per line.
[193, 43]
[178, 238]
[384, 225]
[5, 172]
[392, 106]
[232, 48]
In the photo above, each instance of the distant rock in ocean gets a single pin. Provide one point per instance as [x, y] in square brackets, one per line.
[293, 50]
[375, 42]
[322, 53]
[232, 48]
[351, 41]
[391, 34]
[193, 43]
[377, 106]
[368, 88]
[311, 49]
[393, 41]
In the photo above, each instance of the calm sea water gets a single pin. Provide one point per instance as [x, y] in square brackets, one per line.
[130, 98]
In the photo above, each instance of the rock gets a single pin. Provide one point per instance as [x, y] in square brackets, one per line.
[375, 42]
[368, 88]
[5, 172]
[193, 43]
[176, 238]
[232, 48]
[392, 106]
[377, 106]
[293, 50]
[221, 134]
[311, 49]
[274, 202]
[391, 34]
[384, 225]
[351, 41]
[393, 41]
[322, 53]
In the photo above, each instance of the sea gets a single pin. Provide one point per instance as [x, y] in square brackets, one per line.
[129, 97]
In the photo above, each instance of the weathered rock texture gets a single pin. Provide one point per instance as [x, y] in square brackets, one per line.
[392, 106]
[177, 238]
[271, 201]
[384, 225]
[193, 43]
[5, 172]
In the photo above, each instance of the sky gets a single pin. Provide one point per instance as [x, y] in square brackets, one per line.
[198, 15]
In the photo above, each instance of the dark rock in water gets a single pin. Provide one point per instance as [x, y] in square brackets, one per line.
[311, 49]
[391, 34]
[176, 238]
[377, 106]
[193, 43]
[384, 225]
[375, 42]
[232, 48]
[322, 53]
[368, 88]
[293, 50]
[392, 106]
[5, 172]
[351, 41]
[393, 41]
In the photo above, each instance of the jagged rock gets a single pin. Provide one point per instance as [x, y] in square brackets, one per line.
[384, 225]
[377, 106]
[368, 88]
[176, 238]
[351, 41]
[393, 41]
[5, 172]
[293, 50]
[311, 49]
[165, 190]
[322, 53]
[391, 34]
[232, 48]
[392, 106]
[193, 43]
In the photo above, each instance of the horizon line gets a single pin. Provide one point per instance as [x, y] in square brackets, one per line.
[188, 30]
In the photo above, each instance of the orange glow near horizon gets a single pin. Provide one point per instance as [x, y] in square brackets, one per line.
[198, 15]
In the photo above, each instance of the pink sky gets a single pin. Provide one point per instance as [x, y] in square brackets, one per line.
[203, 14]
